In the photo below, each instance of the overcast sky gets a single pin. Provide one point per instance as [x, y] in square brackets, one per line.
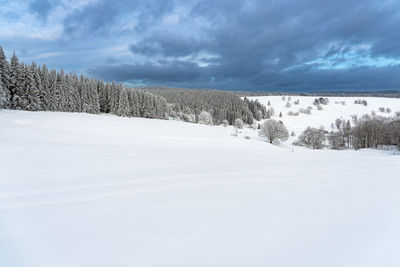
[238, 45]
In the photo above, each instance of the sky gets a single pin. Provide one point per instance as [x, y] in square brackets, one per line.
[282, 45]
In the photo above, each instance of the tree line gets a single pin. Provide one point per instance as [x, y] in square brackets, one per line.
[368, 131]
[36, 88]
[188, 104]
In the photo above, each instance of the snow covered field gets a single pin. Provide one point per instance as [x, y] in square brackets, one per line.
[330, 112]
[89, 190]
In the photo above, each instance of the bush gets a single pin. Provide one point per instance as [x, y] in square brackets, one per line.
[225, 123]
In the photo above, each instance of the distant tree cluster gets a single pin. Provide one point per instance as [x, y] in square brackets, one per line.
[373, 131]
[368, 131]
[305, 110]
[258, 110]
[291, 113]
[361, 102]
[188, 104]
[36, 88]
[321, 101]
[383, 110]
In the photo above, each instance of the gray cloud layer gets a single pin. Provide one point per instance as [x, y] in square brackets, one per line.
[247, 44]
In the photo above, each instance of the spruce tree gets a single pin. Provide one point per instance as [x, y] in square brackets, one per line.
[3, 96]
[20, 98]
[114, 98]
[94, 97]
[5, 78]
[60, 93]
[31, 90]
[124, 108]
[45, 92]
[53, 95]
[38, 83]
[13, 76]
[76, 94]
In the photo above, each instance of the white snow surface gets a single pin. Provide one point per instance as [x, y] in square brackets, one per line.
[95, 190]
[330, 112]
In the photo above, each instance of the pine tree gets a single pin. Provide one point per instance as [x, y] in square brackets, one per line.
[20, 98]
[45, 92]
[3, 96]
[76, 94]
[53, 95]
[38, 84]
[94, 97]
[31, 91]
[84, 92]
[13, 76]
[69, 105]
[5, 79]
[114, 98]
[103, 97]
[124, 108]
[59, 93]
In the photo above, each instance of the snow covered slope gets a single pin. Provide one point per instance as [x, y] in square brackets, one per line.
[88, 190]
[330, 112]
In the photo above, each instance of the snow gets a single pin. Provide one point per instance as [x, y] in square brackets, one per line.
[330, 112]
[89, 190]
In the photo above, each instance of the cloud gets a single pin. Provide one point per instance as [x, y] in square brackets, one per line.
[229, 44]
[41, 8]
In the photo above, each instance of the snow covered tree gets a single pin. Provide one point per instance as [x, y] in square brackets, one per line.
[114, 98]
[19, 99]
[312, 137]
[205, 118]
[5, 79]
[238, 123]
[124, 109]
[274, 131]
[90, 96]
[62, 94]
[52, 87]
[45, 92]
[3, 96]
[13, 76]
[32, 92]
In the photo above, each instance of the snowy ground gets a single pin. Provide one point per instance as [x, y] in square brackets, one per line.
[88, 190]
[330, 112]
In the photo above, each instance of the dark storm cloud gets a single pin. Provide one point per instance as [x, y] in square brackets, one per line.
[162, 72]
[168, 44]
[257, 41]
